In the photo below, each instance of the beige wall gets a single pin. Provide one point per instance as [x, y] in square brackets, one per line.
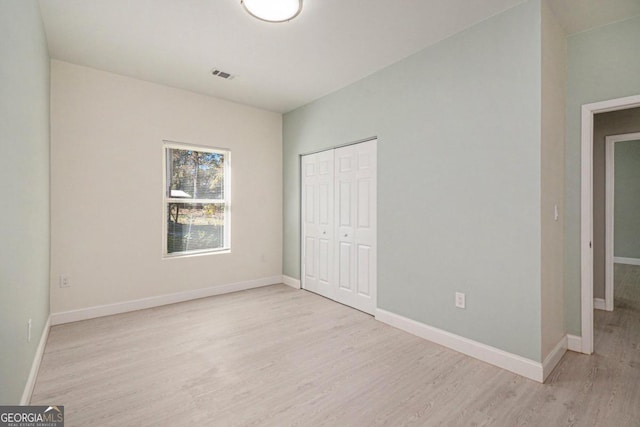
[106, 140]
[605, 124]
[554, 51]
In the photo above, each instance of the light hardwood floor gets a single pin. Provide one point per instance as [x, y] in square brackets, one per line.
[278, 356]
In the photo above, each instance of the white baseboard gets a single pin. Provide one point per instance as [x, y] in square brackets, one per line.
[574, 343]
[494, 356]
[290, 281]
[553, 358]
[140, 304]
[35, 366]
[622, 260]
[599, 304]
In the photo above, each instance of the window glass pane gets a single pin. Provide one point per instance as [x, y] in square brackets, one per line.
[194, 226]
[195, 174]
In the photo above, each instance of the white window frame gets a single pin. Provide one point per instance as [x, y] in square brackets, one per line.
[166, 199]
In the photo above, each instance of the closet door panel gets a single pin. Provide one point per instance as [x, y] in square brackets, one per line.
[309, 222]
[326, 232]
[365, 226]
[309, 258]
[317, 227]
[356, 220]
[345, 219]
[344, 266]
[364, 203]
[364, 270]
[324, 261]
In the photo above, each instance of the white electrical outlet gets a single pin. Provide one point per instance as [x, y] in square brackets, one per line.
[460, 300]
[65, 282]
[29, 331]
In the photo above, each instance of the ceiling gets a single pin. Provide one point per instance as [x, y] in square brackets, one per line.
[275, 66]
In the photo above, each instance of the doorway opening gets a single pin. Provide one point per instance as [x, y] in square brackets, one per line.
[586, 210]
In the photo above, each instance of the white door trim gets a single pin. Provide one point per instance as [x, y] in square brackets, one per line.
[609, 212]
[586, 209]
[609, 178]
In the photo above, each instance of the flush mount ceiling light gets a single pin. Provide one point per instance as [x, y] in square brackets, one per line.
[273, 10]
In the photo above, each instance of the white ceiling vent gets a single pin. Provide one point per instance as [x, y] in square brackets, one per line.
[222, 74]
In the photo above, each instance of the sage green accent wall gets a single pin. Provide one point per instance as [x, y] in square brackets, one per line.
[24, 185]
[459, 173]
[627, 200]
[603, 64]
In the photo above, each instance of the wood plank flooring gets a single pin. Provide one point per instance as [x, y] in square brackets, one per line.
[276, 356]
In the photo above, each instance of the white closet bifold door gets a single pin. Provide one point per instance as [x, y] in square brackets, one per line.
[339, 224]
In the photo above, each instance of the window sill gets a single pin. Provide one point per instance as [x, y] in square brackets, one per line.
[179, 255]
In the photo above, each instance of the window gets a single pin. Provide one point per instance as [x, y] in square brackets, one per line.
[196, 199]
